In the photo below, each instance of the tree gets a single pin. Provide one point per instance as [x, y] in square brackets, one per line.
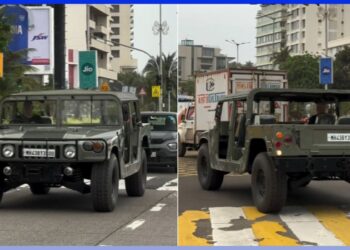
[280, 58]
[14, 79]
[169, 65]
[302, 71]
[342, 69]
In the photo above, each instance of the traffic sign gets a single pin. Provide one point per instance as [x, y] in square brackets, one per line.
[142, 92]
[156, 91]
[1, 65]
[326, 71]
[105, 87]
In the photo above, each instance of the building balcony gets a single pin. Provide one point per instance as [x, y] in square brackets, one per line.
[102, 8]
[115, 25]
[109, 74]
[101, 30]
[100, 45]
[115, 37]
[92, 24]
[113, 13]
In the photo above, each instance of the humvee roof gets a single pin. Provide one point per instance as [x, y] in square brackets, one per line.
[120, 95]
[288, 94]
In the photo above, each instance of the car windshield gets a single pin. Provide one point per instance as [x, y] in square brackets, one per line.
[161, 122]
[71, 112]
[90, 112]
[29, 112]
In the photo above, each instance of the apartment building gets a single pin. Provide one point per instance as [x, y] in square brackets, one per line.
[198, 58]
[302, 28]
[99, 27]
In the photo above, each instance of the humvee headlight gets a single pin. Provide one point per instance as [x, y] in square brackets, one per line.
[172, 145]
[87, 146]
[278, 152]
[97, 147]
[70, 152]
[8, 151]
[279, 135]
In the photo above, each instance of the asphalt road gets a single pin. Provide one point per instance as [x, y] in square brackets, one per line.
[315, 215]
[65, 217]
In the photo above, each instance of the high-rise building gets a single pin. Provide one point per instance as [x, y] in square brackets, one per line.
[99, 27]
[198, 58]
[302, 29]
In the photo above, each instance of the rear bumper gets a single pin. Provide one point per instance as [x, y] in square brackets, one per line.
[314, 165]
[162, 157]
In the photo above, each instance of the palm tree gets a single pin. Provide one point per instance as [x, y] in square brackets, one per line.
[169, 65]
[279, 58]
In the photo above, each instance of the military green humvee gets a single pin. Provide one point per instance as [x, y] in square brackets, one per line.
[84, 140]
[274, 135]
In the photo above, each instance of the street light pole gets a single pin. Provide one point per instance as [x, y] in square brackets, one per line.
[326, 36]
[169, 74]
[237, 46]
[161, 61]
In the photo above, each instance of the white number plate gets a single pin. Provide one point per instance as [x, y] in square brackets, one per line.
[338, 137]
[37, 152]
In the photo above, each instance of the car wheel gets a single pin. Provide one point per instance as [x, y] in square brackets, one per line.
[210, 179]
[39, 188]
[136, 184]
[269, 185]
[181, 149]
[105, 185]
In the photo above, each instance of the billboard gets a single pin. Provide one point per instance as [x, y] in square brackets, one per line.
[88, 69]
[33, 31]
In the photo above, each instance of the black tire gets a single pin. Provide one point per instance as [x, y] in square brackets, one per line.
[136, 184]
[39, 189]
[269, 185]
[210, 179]
[1, 194]
[181, 148]
[105, 185]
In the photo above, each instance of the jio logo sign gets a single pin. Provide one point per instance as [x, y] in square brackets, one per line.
[87, 68]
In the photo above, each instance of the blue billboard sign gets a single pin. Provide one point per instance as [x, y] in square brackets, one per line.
[326, 70]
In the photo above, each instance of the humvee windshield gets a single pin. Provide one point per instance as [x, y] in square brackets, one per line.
[70, 112]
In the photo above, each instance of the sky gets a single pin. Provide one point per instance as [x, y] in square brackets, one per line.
[207, 25]
[212, 24]
[144, 18]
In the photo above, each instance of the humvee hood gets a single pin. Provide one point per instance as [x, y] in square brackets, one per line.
[58, 134]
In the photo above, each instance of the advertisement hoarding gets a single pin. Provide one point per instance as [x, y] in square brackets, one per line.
[88, 69]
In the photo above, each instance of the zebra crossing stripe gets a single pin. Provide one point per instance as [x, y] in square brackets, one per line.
[307, 227]
[335, 221]
[267, 232]
[229, 227]
[187, 227]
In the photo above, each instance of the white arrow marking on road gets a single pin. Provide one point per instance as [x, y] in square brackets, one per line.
[307, 228]
[169, 186]
[221, 219]
[135, 224]
[157, 207]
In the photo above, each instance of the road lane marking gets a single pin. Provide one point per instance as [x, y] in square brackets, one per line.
[187, 226]
[307, 227]
[335, 221]
[135, 224]
[268, 233]
[169, 186]
[157, 207]
[230, 227]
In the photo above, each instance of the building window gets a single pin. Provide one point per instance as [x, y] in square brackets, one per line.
[116, 31]
[294, 48]
[207, 60]
[303, 23]
[294, 25]
[115, 8]
[220, 62]
[116, 19]
[208, 52]
[295, 13]
[303, 34]
[294, 37]
[304, 10]
[116, 53]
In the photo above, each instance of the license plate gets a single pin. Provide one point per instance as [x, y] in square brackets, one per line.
[154, 154]
[37, 152]
[338, 137]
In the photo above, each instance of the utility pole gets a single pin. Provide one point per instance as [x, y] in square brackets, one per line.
[326, 36]
[160, 28]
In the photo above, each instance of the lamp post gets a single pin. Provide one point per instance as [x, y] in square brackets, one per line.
[325, 15]
[237, 46]
[160, 28]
